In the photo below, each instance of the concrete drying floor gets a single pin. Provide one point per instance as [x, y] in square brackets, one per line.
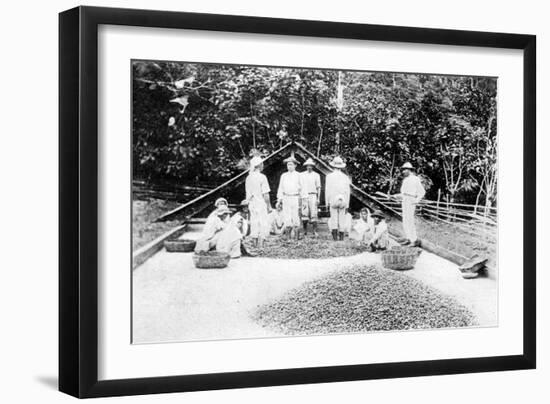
[174, 301]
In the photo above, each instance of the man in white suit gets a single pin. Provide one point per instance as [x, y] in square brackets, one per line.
[337, 195]
[259, 205]
[311, 192]
[289, 194]
[411, 194]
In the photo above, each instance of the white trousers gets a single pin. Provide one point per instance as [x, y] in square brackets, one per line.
[259, 219]
[291, 212]
[309, 208]
[229, 241]
[338, 220]
[407, 209]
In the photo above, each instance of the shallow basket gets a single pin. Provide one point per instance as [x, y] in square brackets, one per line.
[400, 258]
[211, 259]
[182, 245]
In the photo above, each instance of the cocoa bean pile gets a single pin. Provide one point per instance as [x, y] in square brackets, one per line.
[359, 299]
[318, 247]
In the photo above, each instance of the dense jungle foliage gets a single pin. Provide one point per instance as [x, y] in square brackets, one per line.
[197, 123]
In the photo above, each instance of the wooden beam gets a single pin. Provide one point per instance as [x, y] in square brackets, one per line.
[208, 196]
[147, 251]
[443, 252]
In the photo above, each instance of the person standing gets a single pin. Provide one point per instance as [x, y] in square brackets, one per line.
[259, 205]
[289, 194]
[337, 195]
[311, 194]
[411, 194]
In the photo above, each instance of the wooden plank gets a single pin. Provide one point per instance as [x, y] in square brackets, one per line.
[442, 252]
[457, 212]
[430, 202]
[147, 251]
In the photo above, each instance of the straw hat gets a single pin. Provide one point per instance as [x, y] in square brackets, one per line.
[256, 161]
[244, 202]
[291, 159]
[220, 201]
[378, 213]
[309, 162]
[337, 162]
[407, 166]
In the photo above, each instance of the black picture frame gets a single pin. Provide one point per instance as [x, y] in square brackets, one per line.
[78, 201]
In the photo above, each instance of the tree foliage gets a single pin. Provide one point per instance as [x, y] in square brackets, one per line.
[199, 122]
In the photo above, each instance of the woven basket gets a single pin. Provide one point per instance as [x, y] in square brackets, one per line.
[182, 245]
[211, 259]
[400, 258]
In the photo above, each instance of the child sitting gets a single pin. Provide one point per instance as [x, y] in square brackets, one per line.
[381, 238]
[276, 220]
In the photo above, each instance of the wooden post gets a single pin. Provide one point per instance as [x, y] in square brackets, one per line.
[438, 199]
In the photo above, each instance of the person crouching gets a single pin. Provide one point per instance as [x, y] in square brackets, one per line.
[212, 229]
[363, 229]
[230, 238]
[244, 214]
[276, 220]
[380, 239]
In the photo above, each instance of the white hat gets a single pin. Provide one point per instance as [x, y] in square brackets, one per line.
[337, 162]
[256, 161]
[407, 166]
[309, 162]
[222, 211]
[220, 200]
[291, 159]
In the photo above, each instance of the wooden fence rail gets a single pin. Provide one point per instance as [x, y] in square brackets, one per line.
[462, 215]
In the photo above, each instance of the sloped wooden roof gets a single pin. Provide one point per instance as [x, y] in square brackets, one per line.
[200, 203]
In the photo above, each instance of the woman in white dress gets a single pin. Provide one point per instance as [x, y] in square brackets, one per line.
[363, 228]
[211, 230]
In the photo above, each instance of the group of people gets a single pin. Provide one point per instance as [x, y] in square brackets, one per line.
[296, 209]
[224, 231]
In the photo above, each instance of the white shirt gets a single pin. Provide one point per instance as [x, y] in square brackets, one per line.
[337, 184]
[256, 186]
[379, 230]
[361, 227]
[290, 184]
[213, 225]
[235, 220]
[311, 183]
[412, 187]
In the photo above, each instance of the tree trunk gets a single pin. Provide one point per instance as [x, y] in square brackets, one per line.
[253, 126]
[302, 123]
[320, 140]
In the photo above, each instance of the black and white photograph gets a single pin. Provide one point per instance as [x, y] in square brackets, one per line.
[274, 201]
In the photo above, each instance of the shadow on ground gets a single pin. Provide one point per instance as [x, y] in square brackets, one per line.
[48, 381]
